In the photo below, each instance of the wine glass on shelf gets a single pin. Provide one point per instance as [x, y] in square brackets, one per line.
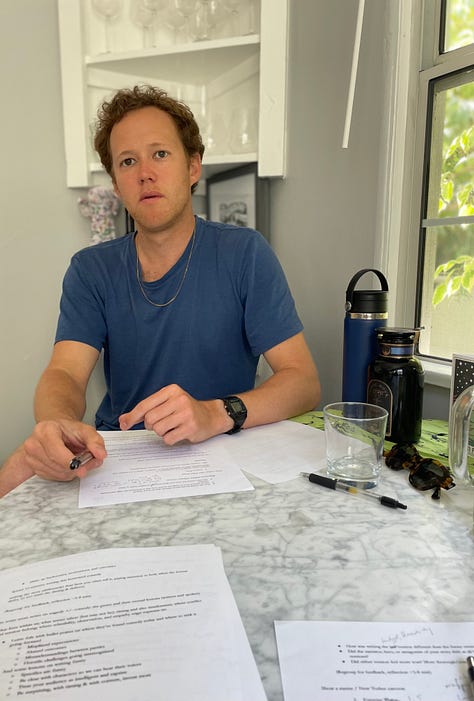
[252, 12]
[233, 7]
[144, 15]
[206, 18]
[175, 20]
[184, 8]
[108, 10]
[244, 129]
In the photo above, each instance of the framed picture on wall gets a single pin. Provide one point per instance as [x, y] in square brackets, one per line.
[238, 196]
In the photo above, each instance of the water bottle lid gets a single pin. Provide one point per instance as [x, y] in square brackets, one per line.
[367, 301]
[397, 335]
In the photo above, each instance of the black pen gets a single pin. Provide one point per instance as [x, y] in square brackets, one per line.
[80, 460]
[344, 487]
[470, 669]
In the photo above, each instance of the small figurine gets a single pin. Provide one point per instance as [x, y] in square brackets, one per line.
[101, 206]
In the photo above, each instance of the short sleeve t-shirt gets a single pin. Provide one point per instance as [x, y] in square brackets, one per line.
[234, 304]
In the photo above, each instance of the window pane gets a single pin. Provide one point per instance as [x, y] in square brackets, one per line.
[459, 30]
[451, 166]
[447, 309]
[446, 288]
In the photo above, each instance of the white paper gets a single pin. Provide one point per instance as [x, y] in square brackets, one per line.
[279, 452]
[150, 623]
[140, 467]
[339, 661]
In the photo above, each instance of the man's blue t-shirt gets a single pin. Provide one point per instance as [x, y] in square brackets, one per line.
[234, 305]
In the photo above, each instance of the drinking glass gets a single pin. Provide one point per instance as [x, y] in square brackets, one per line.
[243, 130]
[250, 14]
[206, 18]
[108, 10]
[185, 8]
[143, 14]
[175, 21]
[355, 435]
[233, 6]
[214, 133]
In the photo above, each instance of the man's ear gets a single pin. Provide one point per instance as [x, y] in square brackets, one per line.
[116, 190]
[195, 168]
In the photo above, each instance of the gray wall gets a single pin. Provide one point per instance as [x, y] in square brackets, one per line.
[41, 224]
[323, 214]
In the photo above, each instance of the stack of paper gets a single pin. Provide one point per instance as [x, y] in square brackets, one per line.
[342, 661]
[151, 623]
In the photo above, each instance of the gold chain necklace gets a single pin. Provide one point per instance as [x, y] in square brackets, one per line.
[170, 301]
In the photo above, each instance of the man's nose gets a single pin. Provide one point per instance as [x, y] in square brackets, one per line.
[146, 172]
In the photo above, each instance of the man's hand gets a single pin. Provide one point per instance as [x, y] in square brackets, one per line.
[175, 416]
[53, 444]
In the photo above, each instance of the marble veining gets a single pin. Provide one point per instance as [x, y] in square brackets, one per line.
[291, 551]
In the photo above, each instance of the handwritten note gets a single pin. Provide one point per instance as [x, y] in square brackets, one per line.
[338, 661]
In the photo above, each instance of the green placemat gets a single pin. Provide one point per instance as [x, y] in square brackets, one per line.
[432, 444]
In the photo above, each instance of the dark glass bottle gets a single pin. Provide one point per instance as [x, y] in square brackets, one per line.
[395, 381]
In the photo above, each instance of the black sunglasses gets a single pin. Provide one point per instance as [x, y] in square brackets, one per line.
[425, 473]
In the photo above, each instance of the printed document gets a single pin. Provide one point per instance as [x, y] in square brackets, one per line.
[124, 624]
[339, 661]
[279, 452]
[140, 467]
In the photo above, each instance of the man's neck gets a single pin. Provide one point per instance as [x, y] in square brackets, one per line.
[159, 251]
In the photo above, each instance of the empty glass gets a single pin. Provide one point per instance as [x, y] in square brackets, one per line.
[143, 13]
[109, 10]
[355, 434]
[243, 130]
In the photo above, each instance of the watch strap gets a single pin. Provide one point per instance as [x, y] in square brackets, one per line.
[237, 411]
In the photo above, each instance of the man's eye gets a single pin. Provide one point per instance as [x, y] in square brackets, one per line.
[161, 154]
[127, 161]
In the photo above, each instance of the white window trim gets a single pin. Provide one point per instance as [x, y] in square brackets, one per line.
[403, 134]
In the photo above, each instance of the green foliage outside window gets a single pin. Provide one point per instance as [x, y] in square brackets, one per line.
[454, 274]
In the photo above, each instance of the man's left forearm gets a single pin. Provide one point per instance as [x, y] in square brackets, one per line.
[14, 472]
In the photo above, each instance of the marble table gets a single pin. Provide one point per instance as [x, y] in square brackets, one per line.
[291, 551]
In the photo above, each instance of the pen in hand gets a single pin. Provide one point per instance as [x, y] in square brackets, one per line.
[344, 487]
[80, 460]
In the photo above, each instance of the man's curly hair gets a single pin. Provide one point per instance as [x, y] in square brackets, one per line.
[128, 99]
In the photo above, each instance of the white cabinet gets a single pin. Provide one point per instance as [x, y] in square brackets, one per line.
[224, 80]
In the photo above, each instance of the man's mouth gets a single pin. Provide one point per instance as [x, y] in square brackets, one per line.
[150, 196]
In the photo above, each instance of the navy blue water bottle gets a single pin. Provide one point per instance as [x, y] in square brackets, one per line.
[366, 311]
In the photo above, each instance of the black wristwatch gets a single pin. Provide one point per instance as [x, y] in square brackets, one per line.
[237, 411]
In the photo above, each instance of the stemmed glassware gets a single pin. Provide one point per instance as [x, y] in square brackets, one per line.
[233, 7]
[206, 18]
[175, 19]
[179, 14]
[144, 15]
[244, 129]
[108, 9]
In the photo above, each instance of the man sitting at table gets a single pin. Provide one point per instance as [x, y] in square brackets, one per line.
[182, 308]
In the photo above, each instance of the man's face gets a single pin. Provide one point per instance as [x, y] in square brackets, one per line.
[152, 173]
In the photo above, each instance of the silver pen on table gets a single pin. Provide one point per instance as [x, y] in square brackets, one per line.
[344, 487]
[79, 460]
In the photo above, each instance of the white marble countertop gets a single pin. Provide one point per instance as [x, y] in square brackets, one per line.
[291, 551]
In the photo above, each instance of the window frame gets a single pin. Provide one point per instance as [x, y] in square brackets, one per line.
[413, 60]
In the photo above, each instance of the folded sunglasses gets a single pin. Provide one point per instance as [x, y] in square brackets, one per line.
[425, 473]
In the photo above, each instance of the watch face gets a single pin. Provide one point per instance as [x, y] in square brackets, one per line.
[237, 412]
[236, 405]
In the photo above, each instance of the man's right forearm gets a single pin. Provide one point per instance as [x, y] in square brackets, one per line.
[58, 396]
